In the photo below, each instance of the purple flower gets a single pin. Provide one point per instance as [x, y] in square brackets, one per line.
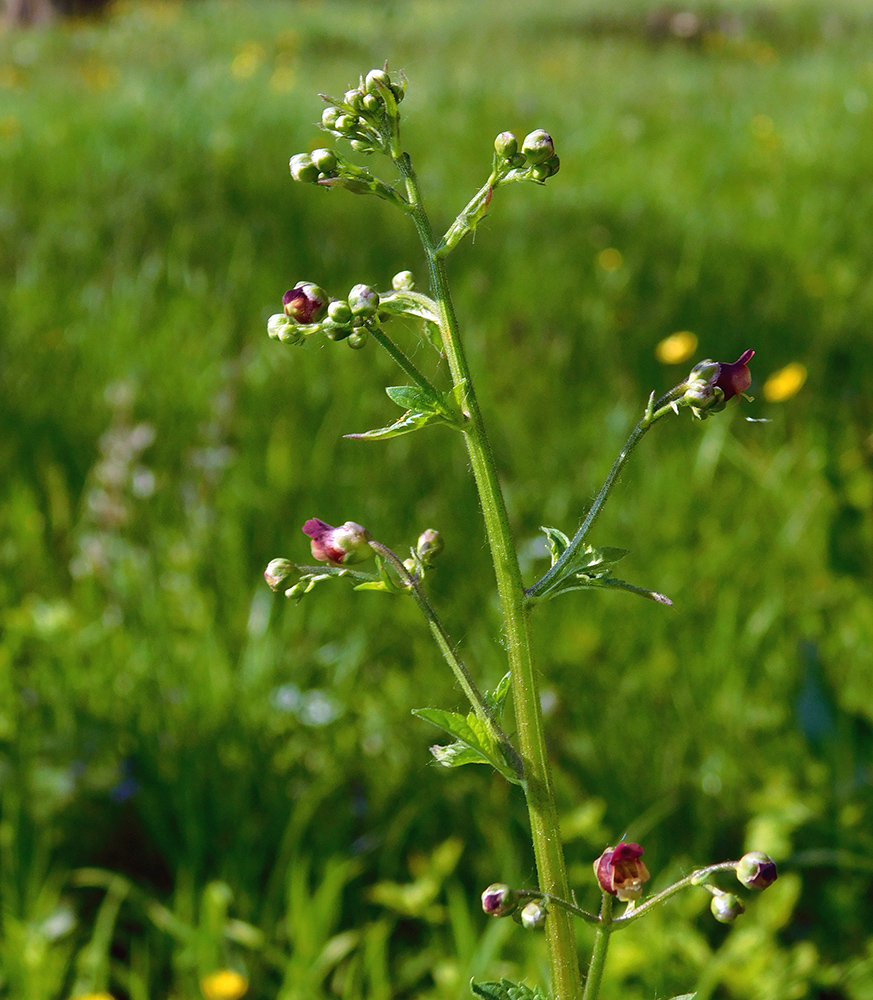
[620, 871]
[735, 378]
[349, 543]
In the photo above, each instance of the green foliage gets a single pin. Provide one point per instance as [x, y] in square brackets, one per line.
[167, 721]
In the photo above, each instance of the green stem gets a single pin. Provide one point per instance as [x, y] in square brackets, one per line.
[402, 360]
[545, 831]
[695, 878]
[598, 954]
[653, 413]
[459, 668]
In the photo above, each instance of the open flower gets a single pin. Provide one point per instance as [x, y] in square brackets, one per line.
[620, 871]
[712, 383]
[349, 543]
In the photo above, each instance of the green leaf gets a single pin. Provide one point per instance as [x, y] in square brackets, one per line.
[386, 583]
[409, 422]
[556, 540]
[496, 699]
[507, 990]
[413, 397]
[474, 742]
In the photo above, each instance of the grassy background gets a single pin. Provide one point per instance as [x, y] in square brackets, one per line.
[195, 774]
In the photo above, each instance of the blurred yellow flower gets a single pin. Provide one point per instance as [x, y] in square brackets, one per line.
[676, 348]
[100, 995]
[610, 259]
[247, 61]
[225, 984]
[785, 383]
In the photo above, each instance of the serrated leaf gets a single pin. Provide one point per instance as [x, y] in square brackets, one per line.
[591, 560]
[583, 581]
[457, 755]
[507, 990]
[451, 722]
[475, 743]
[409, 422]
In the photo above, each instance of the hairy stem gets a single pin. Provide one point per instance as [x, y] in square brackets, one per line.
[598, 954]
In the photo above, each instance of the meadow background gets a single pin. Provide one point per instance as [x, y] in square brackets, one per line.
[196, 774]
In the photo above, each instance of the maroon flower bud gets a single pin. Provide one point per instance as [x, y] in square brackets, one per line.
[305, 303]
[349, 543]
[620, 871]
[726, 907]
[756, 870]
[498, 900]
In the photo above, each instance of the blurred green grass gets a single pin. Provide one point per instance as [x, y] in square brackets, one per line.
[166, 718]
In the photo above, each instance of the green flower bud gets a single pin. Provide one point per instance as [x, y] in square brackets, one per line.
[506, 145]
[538, 146]
[329, 117]
[374, 78]
[346, 124]
[554, 165]
[429, 546]
[324, 159]
[337, 333]
[399, 91]
[403, 281]
[363, 301]
[280, 327]
[302, 168]
[533, 915]
[756, 870]
[539, 172]
[726, 907]
[276, 571]
[354, 98]
[372, 103]
[358, 338]
[339, 312]
[362, 145]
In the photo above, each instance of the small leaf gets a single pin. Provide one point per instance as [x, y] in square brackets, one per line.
[556, 540]
[413, 397]
[475, 743]
[507, 990]
[409, 422]
[496, 699]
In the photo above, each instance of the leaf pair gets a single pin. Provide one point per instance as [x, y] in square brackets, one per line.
[424, 406]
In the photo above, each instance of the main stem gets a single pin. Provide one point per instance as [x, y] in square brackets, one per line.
[537, 783]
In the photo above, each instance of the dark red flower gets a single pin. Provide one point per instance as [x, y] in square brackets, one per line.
[735, 378]
[349, 543]
[305, 303]
[620, 871]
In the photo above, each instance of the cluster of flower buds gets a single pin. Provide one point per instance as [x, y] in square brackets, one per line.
[712, 383]
[535, 160]
[308, 310]
[364, 113]
[427, 548]
[499, 900]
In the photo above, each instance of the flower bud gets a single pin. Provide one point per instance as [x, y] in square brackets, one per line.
[726, 907]
[539, 172]
[712, 383]
[358, 338]
[346, 124]
[329, 117]
[324, 159]
[305, 302]
[428, 546]
[277, 570]
[554, 165]
[372, 103]
[620, 871]
[374, 78]
[349, 543]
[280, 327]
[363, 301]
[403, 281]
[533, 915]
[302, 168]
[498, 900]
[337, 333]
[339, 312]
[756, 870]
[538, 146]
[354, 98]
[506, 145]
